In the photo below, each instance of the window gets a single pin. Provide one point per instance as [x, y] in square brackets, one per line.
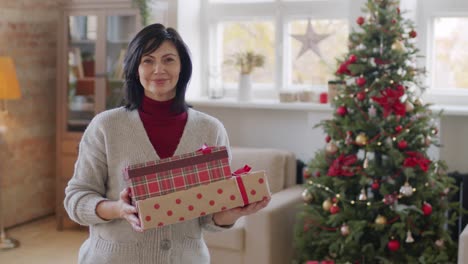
[315, 63]
[443, 41]
[257, 36]
[300, 40]
[450, 65]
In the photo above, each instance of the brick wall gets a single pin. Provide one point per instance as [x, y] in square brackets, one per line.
[27, 144]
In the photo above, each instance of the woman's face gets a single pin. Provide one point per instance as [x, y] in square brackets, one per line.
[159, 72]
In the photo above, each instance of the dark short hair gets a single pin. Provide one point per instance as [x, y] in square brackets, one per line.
[145, 42]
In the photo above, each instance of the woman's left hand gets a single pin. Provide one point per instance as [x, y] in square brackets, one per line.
[229, 217]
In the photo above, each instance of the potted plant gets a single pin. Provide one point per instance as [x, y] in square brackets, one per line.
[246, 62]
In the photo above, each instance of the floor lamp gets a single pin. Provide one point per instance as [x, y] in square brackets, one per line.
[9, 89]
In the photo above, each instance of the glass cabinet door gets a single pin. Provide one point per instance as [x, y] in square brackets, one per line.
[120, 31]
[81, 71]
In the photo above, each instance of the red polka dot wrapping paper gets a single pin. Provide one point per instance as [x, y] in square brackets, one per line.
[181, 172]
[203, 200]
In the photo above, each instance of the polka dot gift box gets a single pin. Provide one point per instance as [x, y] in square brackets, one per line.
[181, 172]
[202, 200]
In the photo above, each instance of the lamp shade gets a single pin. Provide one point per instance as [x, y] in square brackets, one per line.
[9, 86]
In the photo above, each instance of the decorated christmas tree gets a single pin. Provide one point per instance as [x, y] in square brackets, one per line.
[373, 195]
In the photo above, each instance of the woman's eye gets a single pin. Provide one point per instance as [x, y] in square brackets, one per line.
[169, 59]
[147, 61]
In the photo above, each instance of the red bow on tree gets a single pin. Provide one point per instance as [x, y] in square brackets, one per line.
[390, 101]
[341, 166]
[416, 159]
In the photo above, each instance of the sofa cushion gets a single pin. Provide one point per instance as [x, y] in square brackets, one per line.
[232, 238]
[273, 161]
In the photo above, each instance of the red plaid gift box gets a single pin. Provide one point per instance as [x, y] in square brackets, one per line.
[156, 178]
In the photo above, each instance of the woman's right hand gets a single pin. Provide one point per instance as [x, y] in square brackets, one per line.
[127, 211]
[122, 208]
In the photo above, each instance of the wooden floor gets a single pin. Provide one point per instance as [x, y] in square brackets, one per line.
[41, 243]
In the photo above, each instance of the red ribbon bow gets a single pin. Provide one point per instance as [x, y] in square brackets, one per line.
[341, 166]
[414, 159]
[390, 101]
[205, 149]
[242, 170]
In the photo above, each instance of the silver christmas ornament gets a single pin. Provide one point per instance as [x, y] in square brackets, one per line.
[406, 189]
[409, 237]
[362, 195]
[344, 230]
[372, 111]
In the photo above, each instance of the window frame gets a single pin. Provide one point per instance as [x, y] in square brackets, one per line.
[426, 13]
[278, 11]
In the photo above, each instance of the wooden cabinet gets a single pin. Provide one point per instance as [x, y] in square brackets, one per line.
[93, 37]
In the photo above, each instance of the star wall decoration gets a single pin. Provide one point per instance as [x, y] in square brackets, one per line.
[310, 40]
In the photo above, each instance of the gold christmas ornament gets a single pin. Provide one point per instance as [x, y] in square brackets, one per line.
[327, 204]
[398, 46]
[307, 196]
[331, 148]
[362, 195]
[361, 139]
[344, 230]
[381, 220]
[418, 102]
[409, 237]
[409, 106]
[406, 189]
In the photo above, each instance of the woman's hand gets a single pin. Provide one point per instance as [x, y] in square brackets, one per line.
[127, 211]
[122, 208]
[229, 217]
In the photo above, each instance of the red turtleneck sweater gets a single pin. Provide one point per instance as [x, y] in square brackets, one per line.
[164, 128]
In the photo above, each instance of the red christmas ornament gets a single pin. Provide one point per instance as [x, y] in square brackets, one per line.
[352, 58]
[317, 174]
[398, 10]
[306, 173]
[361, 96]
[342, 110]
[343, 69]
[334, 209]
[426, 208]
[334, 200]
[360, 20]
[402, 144]
[375, 185]
[327, 138]
[398, 129]
[413, 34]
[393, 245]
[361, 81]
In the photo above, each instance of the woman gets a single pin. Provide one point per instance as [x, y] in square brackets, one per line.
[155, 123]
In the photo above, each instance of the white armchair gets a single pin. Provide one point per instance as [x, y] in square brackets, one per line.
[463, 246]
[267, 236]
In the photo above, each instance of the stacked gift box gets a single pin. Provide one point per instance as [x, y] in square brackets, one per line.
[191, 185]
